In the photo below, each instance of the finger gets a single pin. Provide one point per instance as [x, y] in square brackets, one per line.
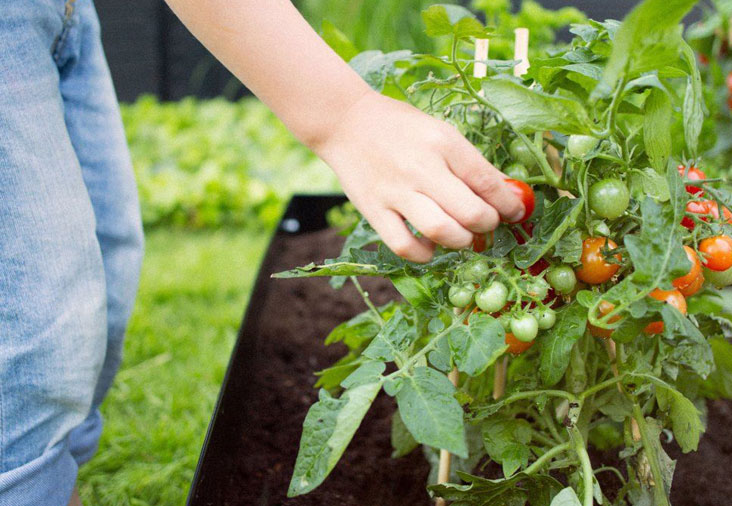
[460, 202]
[397, 236]
[434, 223]
[484, 179]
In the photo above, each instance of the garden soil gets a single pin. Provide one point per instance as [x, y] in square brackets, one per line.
[297, 316]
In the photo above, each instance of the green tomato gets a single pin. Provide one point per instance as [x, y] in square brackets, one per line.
[718, 278]
[562, 278]
[609, 198]
[461, 295]
[524, 327]
[492, 298]
[517, 171]
[521, 153]
[546, 317]
[579, 145]
[476, 271]
[538, 288]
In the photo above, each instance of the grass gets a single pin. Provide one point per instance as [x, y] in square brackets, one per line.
[193, 292]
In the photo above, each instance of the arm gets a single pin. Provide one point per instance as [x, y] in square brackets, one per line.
[394, 162]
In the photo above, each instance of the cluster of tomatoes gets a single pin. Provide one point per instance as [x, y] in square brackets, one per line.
[524, 302]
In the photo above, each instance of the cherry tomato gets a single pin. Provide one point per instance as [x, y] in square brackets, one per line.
[695, 271]
[538, 288]
[476, 271]
[595, 269]
[546, 317]
[516, 347]
[525, 194]
[579, 145]
[609, 198]
[461, 295]
[517, 171]
[492, 298]
[692, 174]
[701, 207]
[524, 327]
[521, 153]
[694, 286]
[605, 307]
[719, 278]
[562, 279]
[728, 81]
[729, 102]
[481, 242]
[716, 252]
[673, 297]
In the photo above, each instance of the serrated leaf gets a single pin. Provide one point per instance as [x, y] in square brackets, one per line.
[506, 442]
[557, 343]
[375, 67]
[430, 411]
[477, 345]
[328, 428]
[648, 183]
[569, 247]
[397, 334]
[418, 291]
[447, 19]
[657, 129]
[685, 420]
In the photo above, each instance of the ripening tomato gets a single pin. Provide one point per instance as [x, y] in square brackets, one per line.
[701, 207]
[719, 278]
[694, 272]
[673, 297]
[525, 194]
[716, 252]
[595, 269]
[694, 286]
[516, 347]
[692, 174]
[605, 307]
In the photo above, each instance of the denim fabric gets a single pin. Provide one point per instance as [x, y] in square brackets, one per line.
[70, 245]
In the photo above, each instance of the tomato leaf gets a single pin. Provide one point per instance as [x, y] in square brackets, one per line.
[566, 497]
[558, 216]
[506, 441]
[328, 428]
[477, 345]
[479, 491]
[657, 129]
[395, 337]
[528, 110]
[418, 291]
[401, 440]
[569, 247]
[430, 411]
[557, 343]
[446, 19]
[690, 347]
[375, 67]
[337, 40]
[685, 419]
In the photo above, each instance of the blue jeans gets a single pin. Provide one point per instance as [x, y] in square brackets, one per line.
[70, 245]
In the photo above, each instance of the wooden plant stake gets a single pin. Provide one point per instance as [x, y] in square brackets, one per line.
[480, 70]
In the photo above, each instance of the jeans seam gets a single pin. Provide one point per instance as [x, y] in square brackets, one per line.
[58, 44]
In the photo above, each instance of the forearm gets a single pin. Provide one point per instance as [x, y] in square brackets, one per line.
[277, 55]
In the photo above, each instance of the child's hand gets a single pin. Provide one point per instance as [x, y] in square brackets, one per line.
[395, 163]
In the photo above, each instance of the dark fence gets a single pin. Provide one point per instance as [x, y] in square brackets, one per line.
[150, 51]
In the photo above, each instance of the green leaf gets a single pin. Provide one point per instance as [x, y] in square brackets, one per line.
[719, 382]
[648, 183]
[503, 242]
[685, 419]
[335, 269]
[337, 40]
[430, 411]
[397, 334]
[690, 347]
[693, 103]
[332, 376]
[556, 345]
[567, 497]
[528, 110]
[477, 345]
[569, 247]
[657, 129]
[375, 67]
[506, 441]
[558, 217]
[356, 331]
[647, 39]
[446, 19]
[418, 291]
[328, 428]
[401, 440]
[367, 373]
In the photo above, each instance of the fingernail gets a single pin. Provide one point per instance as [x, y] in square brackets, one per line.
[518, 215]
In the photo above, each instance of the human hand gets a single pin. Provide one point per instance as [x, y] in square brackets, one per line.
[396, 162]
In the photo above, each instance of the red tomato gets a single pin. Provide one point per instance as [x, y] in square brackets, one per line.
[595, 269]
[692, 174]
[694, 286]
[695, 271]
[605, 307]
[516, 347]
[729, 102]
[673, 297]
[703, 207]
[716, 252]
[525, 194]
[480, 241]
[729, 82]
[703, 59]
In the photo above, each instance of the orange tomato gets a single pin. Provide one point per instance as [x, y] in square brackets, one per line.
[516, 347]
[595, 269]
[694, 286]
[673, 297]
[695, 271]
[717, 252]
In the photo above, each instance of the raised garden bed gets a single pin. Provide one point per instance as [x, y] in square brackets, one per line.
[250, 450]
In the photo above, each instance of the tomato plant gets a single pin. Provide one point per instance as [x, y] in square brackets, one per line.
[571, 320]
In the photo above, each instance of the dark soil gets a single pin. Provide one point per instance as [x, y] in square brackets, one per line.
[296, 317]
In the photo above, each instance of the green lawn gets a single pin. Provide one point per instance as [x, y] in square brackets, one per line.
[193, 292]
